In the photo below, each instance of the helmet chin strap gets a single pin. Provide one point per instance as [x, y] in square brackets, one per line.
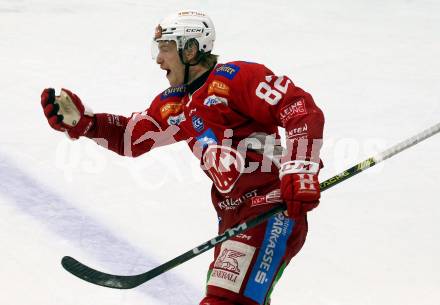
[188, 65]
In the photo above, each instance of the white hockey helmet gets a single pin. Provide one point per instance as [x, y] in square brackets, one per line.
[184, 26]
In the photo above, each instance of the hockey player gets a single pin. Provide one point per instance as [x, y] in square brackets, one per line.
[229, 115]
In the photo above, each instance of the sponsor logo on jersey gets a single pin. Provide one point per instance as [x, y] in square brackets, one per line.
[290, 111]
[170, 109]
[231, 265]
[225, 165]
[227, 70]
[207, 138]
[197, 123]
[176, 120]
[215, 100]
[271, 197]
[173, 91]
[298, 138]
[258, 200]
[218, 87]
[233, 203]
[298, 133]
[269, 257]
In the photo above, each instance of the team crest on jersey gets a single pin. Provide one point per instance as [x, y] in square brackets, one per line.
[170, 109]
[173, 91]
[227, 70]
[215, 100]
[218, 87]
[197, 123]
[225, 165]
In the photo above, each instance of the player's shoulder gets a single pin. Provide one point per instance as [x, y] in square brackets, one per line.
[232, 69]
[238, 72]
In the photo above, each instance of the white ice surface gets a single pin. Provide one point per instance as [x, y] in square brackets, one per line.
[372, 66]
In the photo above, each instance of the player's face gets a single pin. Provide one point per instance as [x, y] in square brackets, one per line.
[169, 60]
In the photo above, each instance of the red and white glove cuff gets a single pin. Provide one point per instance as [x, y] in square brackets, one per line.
[298, 167]
[81, 128]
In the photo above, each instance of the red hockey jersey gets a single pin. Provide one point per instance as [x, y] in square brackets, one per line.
[229, 117]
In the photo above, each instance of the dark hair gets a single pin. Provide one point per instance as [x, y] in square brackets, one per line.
[207, 60]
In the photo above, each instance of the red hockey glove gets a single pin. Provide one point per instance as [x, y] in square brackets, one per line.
[300, 186]
[66, 112]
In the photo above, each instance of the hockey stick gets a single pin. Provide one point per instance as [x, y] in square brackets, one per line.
[130, 281]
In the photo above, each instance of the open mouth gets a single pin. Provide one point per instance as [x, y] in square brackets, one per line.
[168, 71]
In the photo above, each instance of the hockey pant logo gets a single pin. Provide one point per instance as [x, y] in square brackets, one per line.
[231, 266]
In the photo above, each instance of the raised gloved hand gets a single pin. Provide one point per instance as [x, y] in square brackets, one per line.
[299, 186]
[66, 112]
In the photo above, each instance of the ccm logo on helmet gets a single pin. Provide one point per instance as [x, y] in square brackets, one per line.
[193, 30]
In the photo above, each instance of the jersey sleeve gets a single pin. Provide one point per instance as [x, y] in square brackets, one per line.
[135, 135]
[271, 99]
